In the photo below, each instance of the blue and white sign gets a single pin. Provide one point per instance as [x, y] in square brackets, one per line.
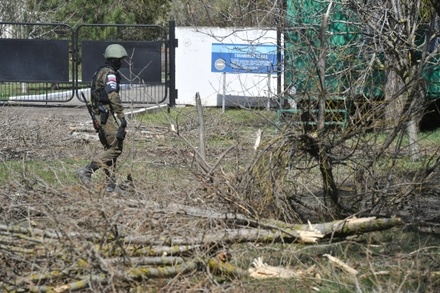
[244, 58]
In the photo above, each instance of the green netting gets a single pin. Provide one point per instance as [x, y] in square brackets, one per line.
[431, 74]
[345, 60]
[345, 63]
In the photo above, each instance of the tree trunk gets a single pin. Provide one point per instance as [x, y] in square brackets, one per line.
[319, 152]
[394, 102]
[412, 132]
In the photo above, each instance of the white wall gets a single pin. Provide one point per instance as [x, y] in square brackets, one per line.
[194, 73]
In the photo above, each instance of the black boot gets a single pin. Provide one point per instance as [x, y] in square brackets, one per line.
[85, 174]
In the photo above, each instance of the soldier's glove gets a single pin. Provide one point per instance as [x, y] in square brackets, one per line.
[120, 135]
[123, 122]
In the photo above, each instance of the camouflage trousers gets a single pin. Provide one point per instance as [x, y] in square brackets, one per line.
[113, 148]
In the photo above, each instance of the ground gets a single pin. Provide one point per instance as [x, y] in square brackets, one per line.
[43, 147]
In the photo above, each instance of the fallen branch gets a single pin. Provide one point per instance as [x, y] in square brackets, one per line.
[102, 258]
[342, 265]
[261, 270]
[219, 267]
[306, 233]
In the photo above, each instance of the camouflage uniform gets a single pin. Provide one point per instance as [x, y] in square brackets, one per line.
[106, 102]
[108, 79]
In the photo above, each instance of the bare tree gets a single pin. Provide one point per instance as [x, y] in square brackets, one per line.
[360, 92]
[238, 13]
[399, 32]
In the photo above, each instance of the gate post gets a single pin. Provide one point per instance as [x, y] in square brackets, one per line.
[172, 45]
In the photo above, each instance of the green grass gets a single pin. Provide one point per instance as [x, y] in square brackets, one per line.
[234, 117]
[50, 172]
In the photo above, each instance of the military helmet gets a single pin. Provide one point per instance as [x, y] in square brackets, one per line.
[115, 51]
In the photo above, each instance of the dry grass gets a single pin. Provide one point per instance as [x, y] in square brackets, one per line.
[39, 190]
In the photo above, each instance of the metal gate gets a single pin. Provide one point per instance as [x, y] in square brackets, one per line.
[52, 62]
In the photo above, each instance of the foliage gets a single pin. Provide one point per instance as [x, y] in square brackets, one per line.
[9, 10]
[102, 11]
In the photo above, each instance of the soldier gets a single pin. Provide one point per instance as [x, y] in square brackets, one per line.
[109, 111]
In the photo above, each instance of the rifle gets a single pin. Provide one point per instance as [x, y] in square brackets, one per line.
[96, 124]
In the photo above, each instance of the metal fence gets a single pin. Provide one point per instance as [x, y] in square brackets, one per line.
[49, 62]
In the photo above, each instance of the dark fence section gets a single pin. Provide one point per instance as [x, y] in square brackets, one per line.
[143, 64]
[36, 62]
